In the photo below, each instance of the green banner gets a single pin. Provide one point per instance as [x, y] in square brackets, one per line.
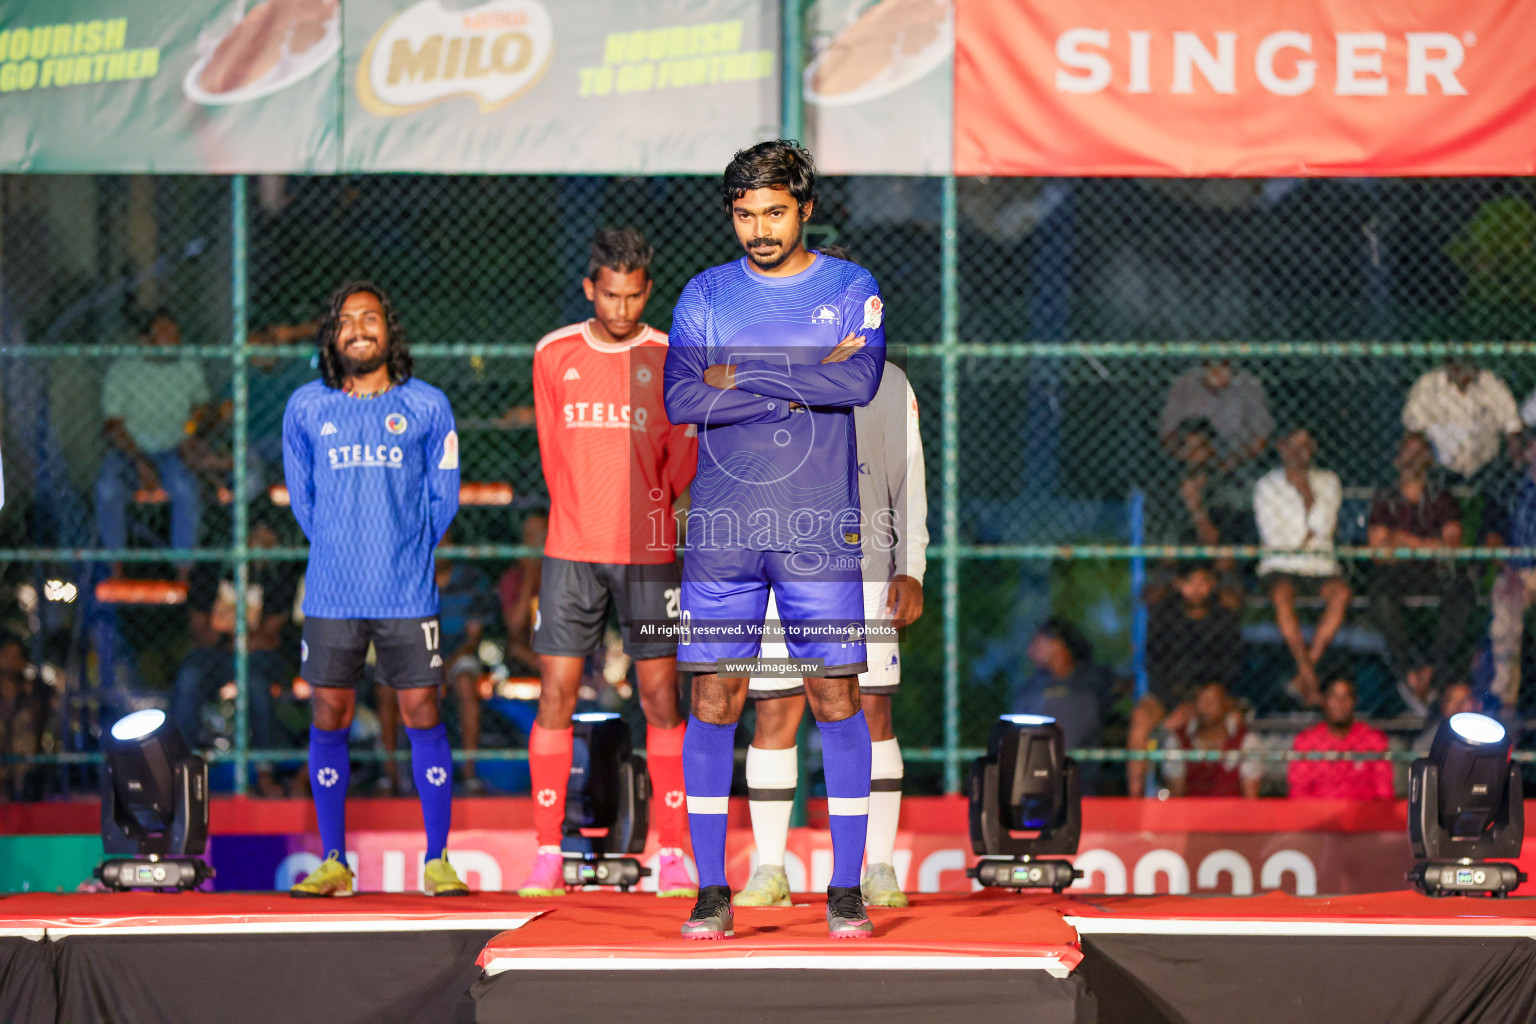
[601, 86]
[540, 86]
[155, 85]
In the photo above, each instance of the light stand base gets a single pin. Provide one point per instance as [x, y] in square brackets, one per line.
[1024, 873]
[164, 873]
[1466, 878]
[592, 869]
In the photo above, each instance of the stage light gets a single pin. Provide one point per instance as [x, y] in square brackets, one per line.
[1466, 808]
[606, 807]
[154, 806]
[1025, 784]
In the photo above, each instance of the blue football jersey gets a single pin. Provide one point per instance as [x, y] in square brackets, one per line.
[374, 482]
[771, 478]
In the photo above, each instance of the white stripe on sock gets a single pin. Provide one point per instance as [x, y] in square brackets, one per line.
[849, 805]
[709, 804]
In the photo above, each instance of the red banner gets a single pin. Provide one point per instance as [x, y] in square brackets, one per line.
[1200, 88]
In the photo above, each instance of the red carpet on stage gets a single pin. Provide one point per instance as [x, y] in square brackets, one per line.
[937, 932]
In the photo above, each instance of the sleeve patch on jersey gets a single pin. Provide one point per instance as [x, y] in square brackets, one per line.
[873, 312]
[450, 459]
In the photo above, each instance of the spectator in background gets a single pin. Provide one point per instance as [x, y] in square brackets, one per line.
[210, 665]
[1464, 410]
[23, 715]
[519, 592]
[1191, 511]
[1067, 685]
[1213, 722]
[1297, 509]
[1513, 590]
[1193, 640]
[148, 401]
[1339, 731]
[1417, 515]
[465, 604]
[1232, 402]
[1454, 699]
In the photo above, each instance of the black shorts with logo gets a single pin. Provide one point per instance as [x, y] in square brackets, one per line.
[573, 607]
[406, 651]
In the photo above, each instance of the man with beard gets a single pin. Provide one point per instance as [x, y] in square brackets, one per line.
[614, 465]
[769, 356]
[372, 461]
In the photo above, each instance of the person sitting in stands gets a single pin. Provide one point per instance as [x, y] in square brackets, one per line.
[1297, 509]
[1067, 685]
[1192, 639]
[1417, 515]
[1340, 731]
[1213, 722]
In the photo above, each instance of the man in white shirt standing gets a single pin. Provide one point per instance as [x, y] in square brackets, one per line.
[1297, 509]
[1463, 410]
[894, 536]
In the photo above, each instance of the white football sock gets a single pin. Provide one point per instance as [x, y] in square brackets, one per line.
[885, 772]
[772, 776]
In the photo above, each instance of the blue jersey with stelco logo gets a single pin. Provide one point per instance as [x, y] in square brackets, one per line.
[772, 479]
[374, 483]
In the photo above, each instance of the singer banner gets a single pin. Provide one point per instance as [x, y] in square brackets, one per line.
[1197, 88]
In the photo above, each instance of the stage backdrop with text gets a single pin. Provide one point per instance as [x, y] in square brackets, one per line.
[599, 87]
[1189, 846]
[1226, 87]
[1128, 846]
[189, 86]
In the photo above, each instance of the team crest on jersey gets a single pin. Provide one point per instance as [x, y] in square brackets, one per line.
[874, 311]
[643, 375]
[825, 315]
[395, 423]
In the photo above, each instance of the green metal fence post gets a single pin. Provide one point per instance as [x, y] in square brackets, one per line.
[792, 99]
[949, 451]
[241, 505]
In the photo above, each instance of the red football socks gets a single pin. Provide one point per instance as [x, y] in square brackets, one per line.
[669, 807]
[549, 768]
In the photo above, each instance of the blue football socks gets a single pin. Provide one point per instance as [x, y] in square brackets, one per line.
[709, 757]
[845, 757]
[432, 768]
[330, 772]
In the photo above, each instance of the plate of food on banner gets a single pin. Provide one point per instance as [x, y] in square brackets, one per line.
[884, 46]
[253, 53]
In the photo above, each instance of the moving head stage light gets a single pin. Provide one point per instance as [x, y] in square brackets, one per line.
[606, 809]
[154, 806]
[1025, 783]
[1465, 807]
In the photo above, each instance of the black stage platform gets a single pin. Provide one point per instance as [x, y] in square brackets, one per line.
[1389, 957]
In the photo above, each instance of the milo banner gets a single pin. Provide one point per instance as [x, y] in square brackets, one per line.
[601, 86]
[151, 85]
[878, 87]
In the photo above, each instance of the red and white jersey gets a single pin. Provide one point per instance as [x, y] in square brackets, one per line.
[612, 460]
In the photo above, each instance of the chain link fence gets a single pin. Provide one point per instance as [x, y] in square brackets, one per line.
[1108, 371]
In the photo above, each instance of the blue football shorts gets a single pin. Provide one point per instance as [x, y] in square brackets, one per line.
[820, 600]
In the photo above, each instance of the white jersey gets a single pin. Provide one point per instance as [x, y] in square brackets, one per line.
[893, 496]
[893, 504]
